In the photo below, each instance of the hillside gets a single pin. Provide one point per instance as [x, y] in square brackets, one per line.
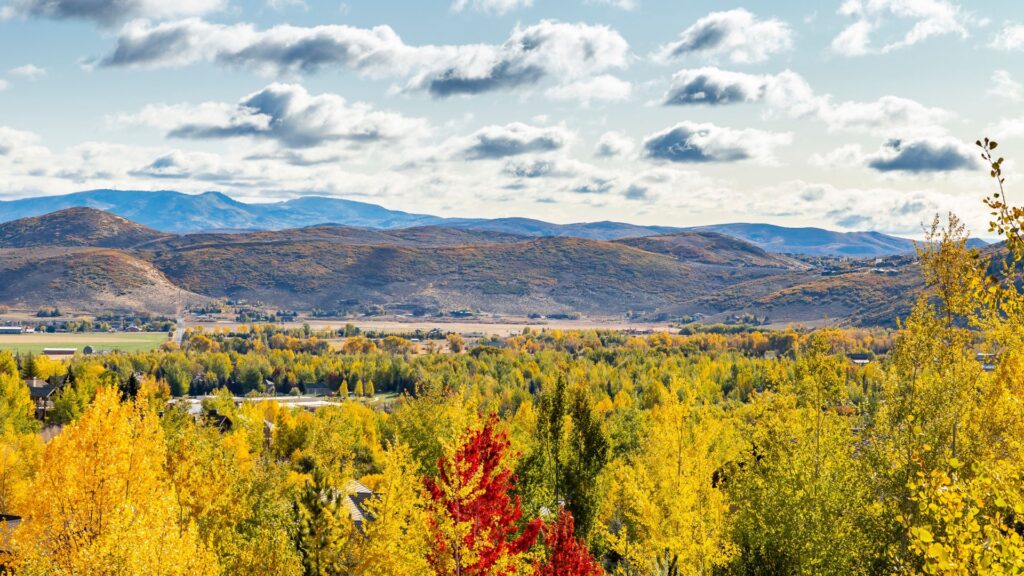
[815, 241]
[87, 259]
[710, 248]
[76, 227]
[175, 212]
[544, 275]
[84, 279]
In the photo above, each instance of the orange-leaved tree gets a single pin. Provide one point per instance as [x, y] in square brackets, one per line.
[474, 515]
[567, 554]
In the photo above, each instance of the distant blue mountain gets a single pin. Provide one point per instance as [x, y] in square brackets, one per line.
[176, 212]
[170, 211]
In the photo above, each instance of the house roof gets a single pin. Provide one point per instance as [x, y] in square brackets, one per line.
[358, 494]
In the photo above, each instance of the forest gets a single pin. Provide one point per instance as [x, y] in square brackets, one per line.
[547, 453]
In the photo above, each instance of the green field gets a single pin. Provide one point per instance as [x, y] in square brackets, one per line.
[129, 342]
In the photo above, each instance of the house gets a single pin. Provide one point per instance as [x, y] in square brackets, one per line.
[355, 501]
[11, 330]
[41, 393]
[988, 361]
[318, 391]
[133, 328]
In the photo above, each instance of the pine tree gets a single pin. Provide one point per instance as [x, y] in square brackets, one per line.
[322, 528]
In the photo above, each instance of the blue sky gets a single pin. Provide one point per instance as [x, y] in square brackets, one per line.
[847, 114]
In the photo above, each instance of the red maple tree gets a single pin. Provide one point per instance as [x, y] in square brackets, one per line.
[475, 518]
[567, 555]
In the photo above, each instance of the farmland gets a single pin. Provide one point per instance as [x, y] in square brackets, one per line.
[127, 342]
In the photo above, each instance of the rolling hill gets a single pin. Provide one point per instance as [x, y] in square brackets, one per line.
[815, 241]
[76, 227]
[169, 211]
[89, 260]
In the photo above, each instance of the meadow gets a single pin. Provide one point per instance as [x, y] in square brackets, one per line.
[125, 342]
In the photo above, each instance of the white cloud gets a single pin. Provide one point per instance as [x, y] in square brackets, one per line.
[109, 12]
[499, 142]
[928, 18]
[1005, 87]
[737, 34]
[1010, 38]
[694, 143]
[920, 155]
[788, 93]
[886, 116]
[554, 52]
[3, 85]
[604, 88]
[614, 145]
[284, 113]
[29, 71]
[491, 6]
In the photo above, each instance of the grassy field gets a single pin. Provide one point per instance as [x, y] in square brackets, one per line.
[34, 343]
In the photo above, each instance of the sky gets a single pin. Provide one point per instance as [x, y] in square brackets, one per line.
[844, 114]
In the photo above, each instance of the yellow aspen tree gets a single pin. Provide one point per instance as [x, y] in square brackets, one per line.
[101, 503]
[396, 539]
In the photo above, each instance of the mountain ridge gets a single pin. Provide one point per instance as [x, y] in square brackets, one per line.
[176, 212]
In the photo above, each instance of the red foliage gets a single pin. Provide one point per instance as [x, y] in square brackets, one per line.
[567, 555]
[490, 509]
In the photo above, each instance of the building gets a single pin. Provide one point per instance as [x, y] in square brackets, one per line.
[41, 393]
[355, 499]
[59, 353]
[11, 330]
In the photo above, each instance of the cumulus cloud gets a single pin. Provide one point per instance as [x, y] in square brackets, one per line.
[714, 86]
[1010, 38]
[498, 142]
[788, 93]
[737, 34]
[285, 113]
[614, 145]
[565, 53]
[29, 71]
[690, 142]
[924, 155]
[928, 18]
[491, 6]
[109, 12]
[549, 49]
[1005, 87]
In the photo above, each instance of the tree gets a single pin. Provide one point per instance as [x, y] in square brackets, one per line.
[397, 539]
[17, 412]
[474, 515]
[102, 501]
[456, 343]
[567, 555]
[323, 530]
[28, 367]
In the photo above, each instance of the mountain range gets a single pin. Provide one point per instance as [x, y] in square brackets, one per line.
[175, 212]
[89, 260]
